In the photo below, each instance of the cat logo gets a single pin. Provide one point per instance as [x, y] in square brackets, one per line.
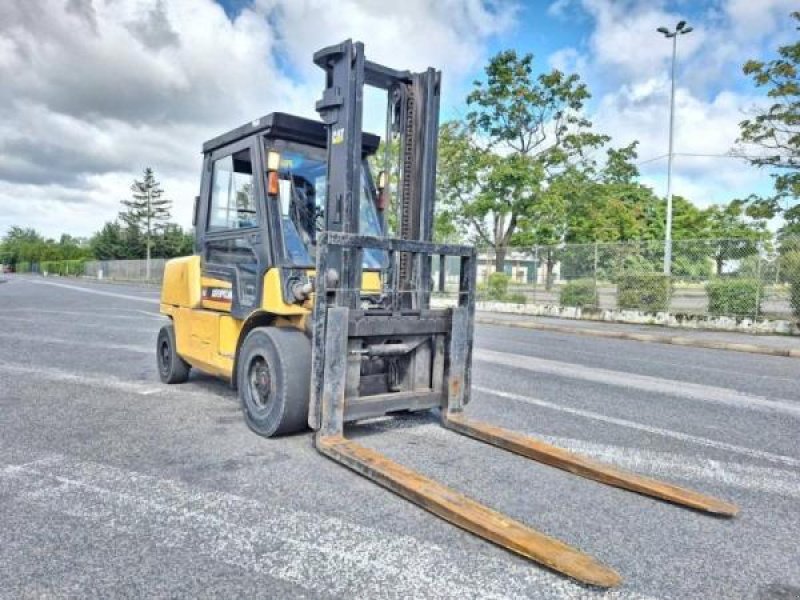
[217, 294]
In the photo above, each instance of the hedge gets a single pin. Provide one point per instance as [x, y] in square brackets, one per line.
[734, 297]
[516, 298]
[645, 292]
[497, 286]
[579, 292]
[62, 267]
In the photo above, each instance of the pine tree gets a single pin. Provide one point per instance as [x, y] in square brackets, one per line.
[147, 211]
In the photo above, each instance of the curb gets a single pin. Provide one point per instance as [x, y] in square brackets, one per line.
[647, 337]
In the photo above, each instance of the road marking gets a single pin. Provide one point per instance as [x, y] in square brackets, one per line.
[657, 361]
[646, 383]
[686, 437]
[323, 554]
[86, 313]
[144, 388]
[44, 339]
[750, 477]
[105, 381]
[150, 392]
[76, 323]
[673, 465]
[91, 291]
[152, 315]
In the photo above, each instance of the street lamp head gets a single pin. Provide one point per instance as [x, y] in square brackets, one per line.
[663, 30]
[687, 30]
[680, 25]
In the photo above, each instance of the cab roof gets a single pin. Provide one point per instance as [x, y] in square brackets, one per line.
[286, 127]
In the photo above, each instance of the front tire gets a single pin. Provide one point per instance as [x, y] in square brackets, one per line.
[171, 367]
[274, 379]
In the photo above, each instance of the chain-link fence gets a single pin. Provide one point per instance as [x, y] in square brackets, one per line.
[126, 270]
[739, 278]
[113, 270]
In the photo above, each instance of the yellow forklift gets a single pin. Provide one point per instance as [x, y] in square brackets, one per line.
[299, 298]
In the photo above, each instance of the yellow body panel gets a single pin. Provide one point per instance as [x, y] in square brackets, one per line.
[198, 339]
[371, 282]
[206, 334]
[181, 286]
[272, 299]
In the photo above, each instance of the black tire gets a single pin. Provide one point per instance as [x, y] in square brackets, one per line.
[274, 379]
[171, 367]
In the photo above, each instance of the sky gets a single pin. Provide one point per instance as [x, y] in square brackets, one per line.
[94, 91]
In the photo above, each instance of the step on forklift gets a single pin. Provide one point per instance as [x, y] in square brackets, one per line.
[318, 318]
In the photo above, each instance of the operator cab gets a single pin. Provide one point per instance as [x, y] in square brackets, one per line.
[262, 202]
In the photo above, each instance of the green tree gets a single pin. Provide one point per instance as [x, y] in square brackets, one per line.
[775, 129]
[147, 211]
[606, 204]
[521, 130]
[29, 246]
[173, 241]
[72, 248]
[135, 242]
[731, 234]
[109, 242]
[22, 245]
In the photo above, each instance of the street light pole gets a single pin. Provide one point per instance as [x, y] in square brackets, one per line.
[680, 29]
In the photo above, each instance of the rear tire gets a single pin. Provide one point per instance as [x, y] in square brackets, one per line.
[171, 367]
[274, 379]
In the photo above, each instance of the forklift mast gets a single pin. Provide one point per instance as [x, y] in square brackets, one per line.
[398, 354]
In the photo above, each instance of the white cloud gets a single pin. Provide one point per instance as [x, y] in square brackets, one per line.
[627, 65]
[94, 91]
[413, 34]
[568, 60]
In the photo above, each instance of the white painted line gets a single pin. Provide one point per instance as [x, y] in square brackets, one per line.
[325, 555]
[45, 339]
[110, 382]
[105, 381]
[662, 362]
[78, 323]
[769, 456]
[646, 383]
[664, 464]
[681, 466]
[85, 313]
[85, 290]
[152, 315]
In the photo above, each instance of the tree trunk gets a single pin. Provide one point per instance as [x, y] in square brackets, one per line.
[147, 261]
[500, 258]
[149, 232]
[720, 264]
[550, 261]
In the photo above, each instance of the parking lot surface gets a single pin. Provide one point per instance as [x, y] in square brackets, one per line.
[115, 485]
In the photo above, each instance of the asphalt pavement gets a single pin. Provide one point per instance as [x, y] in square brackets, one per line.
[114, 485]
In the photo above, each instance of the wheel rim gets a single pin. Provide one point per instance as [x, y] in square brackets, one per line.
[260, 379]
[164, 356]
